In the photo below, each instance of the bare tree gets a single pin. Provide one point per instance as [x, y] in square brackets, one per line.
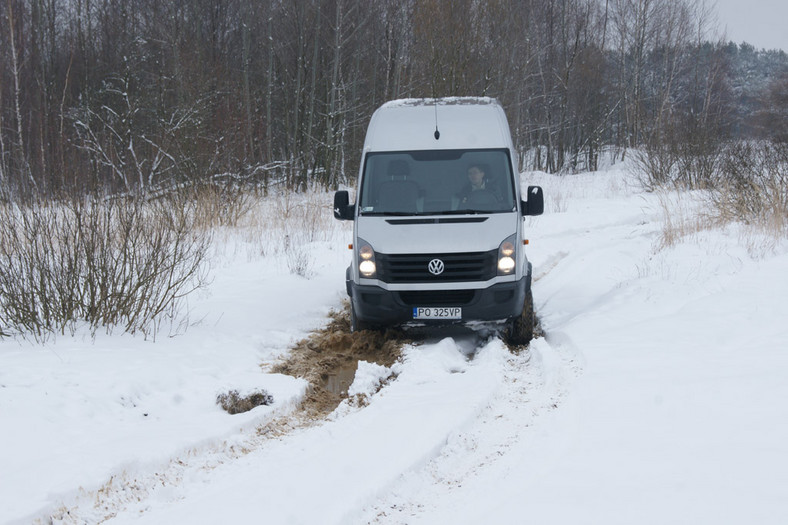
[282, 91]
[22, 158]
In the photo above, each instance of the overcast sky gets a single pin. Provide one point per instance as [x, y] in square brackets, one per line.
[762, 23]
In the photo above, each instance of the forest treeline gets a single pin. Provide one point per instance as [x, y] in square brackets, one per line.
[133, 95]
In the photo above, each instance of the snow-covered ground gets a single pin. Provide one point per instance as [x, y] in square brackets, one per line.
[659, 394]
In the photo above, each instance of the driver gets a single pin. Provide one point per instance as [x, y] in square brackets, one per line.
[477, 181]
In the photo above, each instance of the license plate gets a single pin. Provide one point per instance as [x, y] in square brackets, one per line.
[432, 312]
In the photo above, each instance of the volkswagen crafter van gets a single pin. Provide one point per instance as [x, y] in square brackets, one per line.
[438, 219]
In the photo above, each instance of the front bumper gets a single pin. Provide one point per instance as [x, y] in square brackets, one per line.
[500, 301]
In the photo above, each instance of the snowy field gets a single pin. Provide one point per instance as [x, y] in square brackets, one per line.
[658, 394]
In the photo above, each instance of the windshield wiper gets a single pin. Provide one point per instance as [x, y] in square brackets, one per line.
[464, 212]
[393, 213]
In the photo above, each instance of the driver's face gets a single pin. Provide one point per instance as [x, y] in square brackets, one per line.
[476, 176]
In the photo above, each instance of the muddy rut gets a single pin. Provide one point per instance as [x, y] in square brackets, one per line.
[328, 358]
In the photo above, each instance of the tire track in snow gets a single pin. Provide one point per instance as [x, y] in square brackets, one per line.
[536, 380]
[334, 470]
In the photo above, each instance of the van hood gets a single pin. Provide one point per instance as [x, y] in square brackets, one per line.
[436, 234]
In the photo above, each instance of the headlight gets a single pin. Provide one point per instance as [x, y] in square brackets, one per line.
[507, 256]
[366, 260]
[367, 268]
[366, 253]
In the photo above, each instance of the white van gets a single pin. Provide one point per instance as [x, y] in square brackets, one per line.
[438, 229]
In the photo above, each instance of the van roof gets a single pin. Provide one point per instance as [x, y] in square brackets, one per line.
[463, 123]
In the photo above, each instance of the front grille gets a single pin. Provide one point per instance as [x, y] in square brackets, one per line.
[437, 297]
[412, 268]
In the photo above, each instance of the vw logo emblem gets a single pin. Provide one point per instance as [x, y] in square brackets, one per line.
[435, 267]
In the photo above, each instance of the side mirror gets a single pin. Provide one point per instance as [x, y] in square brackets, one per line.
[342, 209]
[535, 203]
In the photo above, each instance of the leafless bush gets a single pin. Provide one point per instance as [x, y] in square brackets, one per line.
[114, 263]
[697, 164]
[299, 259]
[688, 162]
[682, 216]
[304, 219]
[306, 213]
[752, 185]
[657, 165]
[218, 204]
[285, 223]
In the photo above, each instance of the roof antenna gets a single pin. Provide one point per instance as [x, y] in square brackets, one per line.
[437, 133]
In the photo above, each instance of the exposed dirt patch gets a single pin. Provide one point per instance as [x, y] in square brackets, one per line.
[234, 403]
[327, 359]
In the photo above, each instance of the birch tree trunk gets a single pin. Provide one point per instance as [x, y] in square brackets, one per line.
[22, 160]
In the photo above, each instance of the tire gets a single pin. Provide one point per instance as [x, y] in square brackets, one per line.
[356, 324]
[521, 328]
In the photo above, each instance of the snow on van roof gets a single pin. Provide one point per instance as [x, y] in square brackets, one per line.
[446, 101]
[463, 123]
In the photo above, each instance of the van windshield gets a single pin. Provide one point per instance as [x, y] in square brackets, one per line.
[437, 182]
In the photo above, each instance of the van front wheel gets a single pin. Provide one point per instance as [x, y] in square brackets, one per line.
[521, 328]
[356, 324]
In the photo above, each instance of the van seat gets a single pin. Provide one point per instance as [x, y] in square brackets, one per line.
[399, 196]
